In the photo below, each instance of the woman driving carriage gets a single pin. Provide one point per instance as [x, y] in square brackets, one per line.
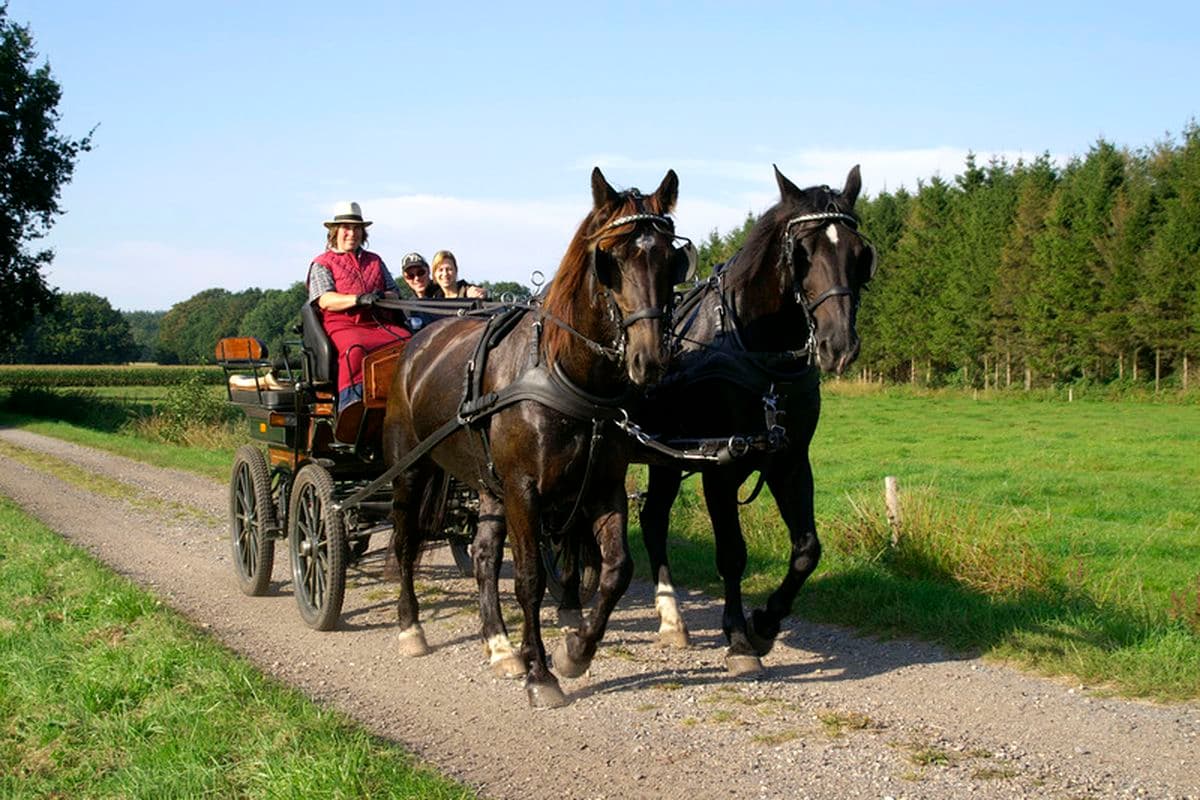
[344, 282]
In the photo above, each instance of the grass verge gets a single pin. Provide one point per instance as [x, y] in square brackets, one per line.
[1061, 537]
[105, 693]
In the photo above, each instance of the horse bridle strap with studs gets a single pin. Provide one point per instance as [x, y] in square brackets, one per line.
[810, 306]
[663, 225]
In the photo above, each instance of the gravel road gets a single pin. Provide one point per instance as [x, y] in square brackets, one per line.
[836, 715]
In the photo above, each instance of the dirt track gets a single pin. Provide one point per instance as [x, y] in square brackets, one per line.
[836, 716]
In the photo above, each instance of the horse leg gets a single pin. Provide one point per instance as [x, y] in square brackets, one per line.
[720, 494]
[575, 651]
[406, 543]
[488, 548]
[529, 582]
[570, 606]
[793, 491]
[661, 491]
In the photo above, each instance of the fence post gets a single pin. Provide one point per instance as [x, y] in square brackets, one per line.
[891, 492]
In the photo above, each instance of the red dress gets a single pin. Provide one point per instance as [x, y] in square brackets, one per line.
[356, 331]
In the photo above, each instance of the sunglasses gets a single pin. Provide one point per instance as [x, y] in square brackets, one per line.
[415, 273]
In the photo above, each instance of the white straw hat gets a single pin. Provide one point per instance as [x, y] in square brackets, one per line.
[347, 212]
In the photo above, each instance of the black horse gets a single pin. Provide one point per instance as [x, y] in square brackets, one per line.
[524, 406]
[748, 340]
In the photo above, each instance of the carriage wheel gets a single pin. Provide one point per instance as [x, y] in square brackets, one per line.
[317, 541]
[562, 554]
[460, 548]
[251, 517]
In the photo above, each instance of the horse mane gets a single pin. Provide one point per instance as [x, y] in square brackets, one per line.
[573, 280]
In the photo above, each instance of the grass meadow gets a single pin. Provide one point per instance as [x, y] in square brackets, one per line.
[1064, 537]
[1061, 536]
[106, 693]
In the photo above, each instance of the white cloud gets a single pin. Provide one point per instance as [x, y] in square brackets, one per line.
[495, 239]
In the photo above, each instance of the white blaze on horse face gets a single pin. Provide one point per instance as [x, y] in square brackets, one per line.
[831, 232]
[645, 242]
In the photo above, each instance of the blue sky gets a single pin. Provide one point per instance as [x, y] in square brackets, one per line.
[228, 130]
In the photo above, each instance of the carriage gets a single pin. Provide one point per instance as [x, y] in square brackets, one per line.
[314, 486]
[321, 485]
[525, 408]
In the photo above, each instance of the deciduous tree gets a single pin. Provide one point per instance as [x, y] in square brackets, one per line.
[35, 162]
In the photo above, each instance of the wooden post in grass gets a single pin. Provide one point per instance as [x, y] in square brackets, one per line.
[891, 493]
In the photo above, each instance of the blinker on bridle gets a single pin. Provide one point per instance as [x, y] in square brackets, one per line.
[664, 226]
[810, 307]
[832, 291]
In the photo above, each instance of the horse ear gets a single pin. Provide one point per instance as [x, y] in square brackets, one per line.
[853, 185]
[787, 189]
[667, 192]
[603, 195]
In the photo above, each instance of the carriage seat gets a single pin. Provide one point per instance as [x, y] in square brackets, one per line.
[319, 353]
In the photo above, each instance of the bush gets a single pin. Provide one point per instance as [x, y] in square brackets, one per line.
[190, 404]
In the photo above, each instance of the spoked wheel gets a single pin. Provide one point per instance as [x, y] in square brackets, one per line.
[453, 509]
[251, 516]
[460, 548]
[317, 541]
[564, 555]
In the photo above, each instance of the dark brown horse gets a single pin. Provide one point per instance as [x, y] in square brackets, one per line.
[535, 393]
[748, 342]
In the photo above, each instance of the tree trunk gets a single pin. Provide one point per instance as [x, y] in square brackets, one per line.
[1008, 369]
[912, 371]
[1185, 371]
[1028, 379]
[928, 372]
[1121, 365]
[1157, 368]
[986, 374]
[1135, 360]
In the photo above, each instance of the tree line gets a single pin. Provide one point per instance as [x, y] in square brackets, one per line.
[84, 328]
[1034, 274]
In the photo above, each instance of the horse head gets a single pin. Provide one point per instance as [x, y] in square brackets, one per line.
[828, 262]
[625, 258]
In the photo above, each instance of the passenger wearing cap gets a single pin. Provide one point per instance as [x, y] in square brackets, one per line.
[345, 282]
[416, 275]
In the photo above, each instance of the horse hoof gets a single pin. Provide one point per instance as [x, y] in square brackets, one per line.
[566, 666]
[412, 643]
[545, 695]
[509, 666]
[570, 618]
[742, 665]
[676, 639]
[761, 644]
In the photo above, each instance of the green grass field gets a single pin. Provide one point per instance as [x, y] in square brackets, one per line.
[105, 693]
[1064, 537]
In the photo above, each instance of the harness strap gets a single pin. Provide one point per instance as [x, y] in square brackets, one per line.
[757, 488]
[410, 458]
